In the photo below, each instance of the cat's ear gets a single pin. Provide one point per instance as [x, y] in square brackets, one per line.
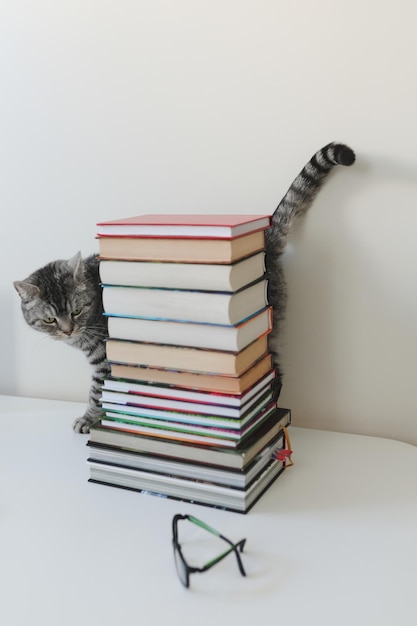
[75, 263]
[26, 291]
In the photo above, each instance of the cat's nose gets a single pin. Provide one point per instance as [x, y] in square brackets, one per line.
[67, 328]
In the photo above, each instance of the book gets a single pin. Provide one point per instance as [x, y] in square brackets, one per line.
[171, 392]
[164, 225]
[192, 334]
[211, 277]
[179, 422]
[190, 433]
[185, 305]
[195, 381]
[140, 402]
[144, 414]
[237, 458]
[181, 250]
[182, 358]
[185, 489]
[242, 478]
[193, 337]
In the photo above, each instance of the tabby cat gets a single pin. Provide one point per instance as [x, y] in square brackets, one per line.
[63, 298]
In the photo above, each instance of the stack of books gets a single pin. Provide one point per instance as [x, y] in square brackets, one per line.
[188, 409]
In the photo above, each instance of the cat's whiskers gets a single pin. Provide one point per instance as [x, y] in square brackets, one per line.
[92, 332]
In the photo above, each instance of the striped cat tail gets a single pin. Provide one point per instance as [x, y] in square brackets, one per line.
[294, 204]
[302, 192]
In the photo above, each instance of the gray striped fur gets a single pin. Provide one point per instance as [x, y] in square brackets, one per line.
[63, 300]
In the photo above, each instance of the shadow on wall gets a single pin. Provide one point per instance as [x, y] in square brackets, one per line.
[8, 355]
[351, 342]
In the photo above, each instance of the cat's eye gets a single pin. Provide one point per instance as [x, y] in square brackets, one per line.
[76, 312]
[49, 320]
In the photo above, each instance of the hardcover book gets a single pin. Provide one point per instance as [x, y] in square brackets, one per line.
[237, 458]
[192, 334]
[182, 305]
[194, 380]
[198, 492]
[182, 358]
[159, 416]
[224, 226]
[181, 250]
[179, 422]
[171, 392]
[182, 431]
[211, 277]
[140, 402]
[240, 478]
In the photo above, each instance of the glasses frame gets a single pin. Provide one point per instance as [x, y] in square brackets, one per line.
[188, 569]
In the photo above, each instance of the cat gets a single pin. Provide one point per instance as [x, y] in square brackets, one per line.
[64, 300]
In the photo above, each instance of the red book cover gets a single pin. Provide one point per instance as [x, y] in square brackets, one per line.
[180, 225]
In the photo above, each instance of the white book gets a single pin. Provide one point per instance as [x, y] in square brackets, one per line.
[184, 305]
[193, 334]
[199, 492]
[210, 277]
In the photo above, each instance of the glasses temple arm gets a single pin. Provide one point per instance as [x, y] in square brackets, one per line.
[213, 531]
[233, 548]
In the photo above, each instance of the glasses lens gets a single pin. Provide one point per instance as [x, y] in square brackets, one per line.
[181, 566]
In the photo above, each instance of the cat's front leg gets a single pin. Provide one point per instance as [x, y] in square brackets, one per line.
[94, 412]
[90, 417]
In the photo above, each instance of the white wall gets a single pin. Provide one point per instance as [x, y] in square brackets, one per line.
[109, 109]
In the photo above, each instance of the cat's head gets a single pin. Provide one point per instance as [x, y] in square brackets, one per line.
[55, 299]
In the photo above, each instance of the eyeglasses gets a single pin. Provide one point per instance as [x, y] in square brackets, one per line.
[183, 569]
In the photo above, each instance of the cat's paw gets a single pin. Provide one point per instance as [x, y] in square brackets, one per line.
[82, 425]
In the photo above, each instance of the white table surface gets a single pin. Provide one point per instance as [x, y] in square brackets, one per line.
[332, 542]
